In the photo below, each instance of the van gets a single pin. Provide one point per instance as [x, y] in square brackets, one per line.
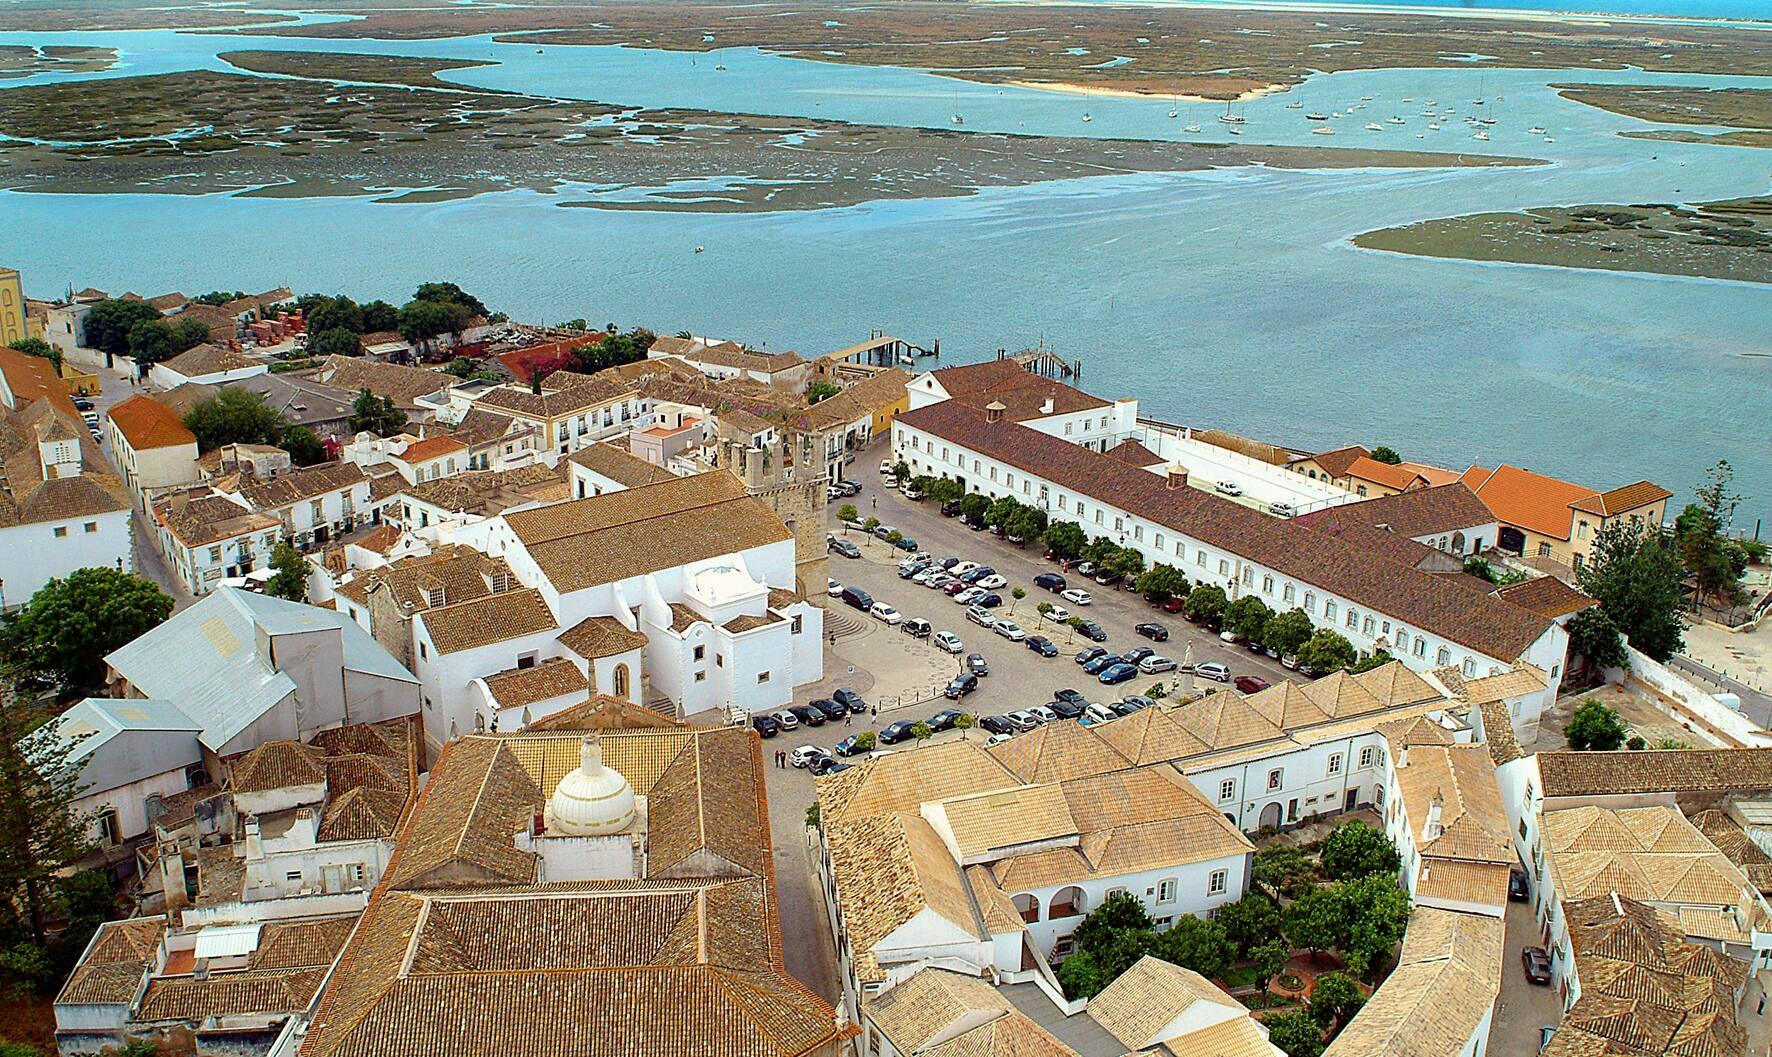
[916, 627]
[1229, 488]
[856, 598]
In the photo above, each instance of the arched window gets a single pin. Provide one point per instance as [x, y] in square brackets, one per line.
[1027, 906]
[621, 680]
[1458, 543]
[1068, 902]
[1443, 657]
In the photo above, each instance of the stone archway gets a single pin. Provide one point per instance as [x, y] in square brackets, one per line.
[1270, 815]
[1512, 539]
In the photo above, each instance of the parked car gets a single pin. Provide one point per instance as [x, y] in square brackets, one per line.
[1041, 645]
[850, 700]
[1108, 578]
[1229, 488]
[972, 576]
[911, 491]
[1010, 630]
[947, 642]
[996, 725]
[1049, 581]
[805, 754]
[832, 587]
[849, 746]
[888, 481]
[83, 403]
[965, 596]
[896, 732]
[1023, 719]
[989, 600]
[1138, 701]
[945, 719]
[1230, 636]
[1084, 568]
[886, 614]
[1281, 508]
[1094, 714]
[1175, 604]
[885, 467]
[1044, 714]
[940, 582]
[916, 628]
[906, 543]
[981, 616]
[787, 719]
[830, 708]
[960, 685]
[1072, 696]
[856, 598]
[850, 487]
[993, 582]
[844, 548]
[1065, 709]
[1089, 654]
[956, 586]
[951, 508]
[908, 570]
[961, 568]
[826, 765]
[808, 716]
[947, 563]
[1137, 653]
[1092, 631]
[1077, 596]
[1213, 670]
[977, 665]
[1156, 663]
[1154, 632]
[997, 739]
[1537, 965]
[765, 726]
[1518, 889]
[1117, 673]
[1103, 663]
[1057, 614]
[1250, 684]
[1122, 708]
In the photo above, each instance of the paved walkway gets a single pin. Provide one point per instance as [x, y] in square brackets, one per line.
[1523, 1007]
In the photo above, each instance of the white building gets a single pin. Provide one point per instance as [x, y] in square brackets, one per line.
[208, 537]
[1158, 1008]
[208, 364]
[313, 504]
[129, 752]
[153, 447]
[1440, 999]
[1443, 812]
[60, 508]
[1376, 601]
[1053, 408]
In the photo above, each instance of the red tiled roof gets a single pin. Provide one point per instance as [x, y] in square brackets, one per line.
[1337, 463]
[1134, 454]
[1449, 609]
[147, 423]
[430, 448]
[33, 378]
[1530, 500]
[1627, 497]
[1422, 512]
[1384, 473]
[1546, 595]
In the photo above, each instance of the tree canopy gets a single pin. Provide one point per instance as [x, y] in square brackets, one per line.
[150, 341]
[375, 414]
[39, 347]
[336, 341]
[1593, 636]
[1595, 727]
[108, 323]
[1288, 631]
[1248, 617]
[1636, 577]
[1326, 651]
[1386, 455]
[1065, 538]
[290, 574]
[1355, 849]
[1197, 944]
[235, 416]
[69, 625]
[303, 446]
[1162, 582]
[450, 294]
[1249, 921]
[1206, 602]
[1295, 1032]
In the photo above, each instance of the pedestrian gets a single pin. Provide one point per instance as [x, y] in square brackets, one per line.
[873, 710]
[845, 719]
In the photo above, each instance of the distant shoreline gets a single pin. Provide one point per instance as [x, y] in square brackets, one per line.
[1072, 88]
[1522, 14]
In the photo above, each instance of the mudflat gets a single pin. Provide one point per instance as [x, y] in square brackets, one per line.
[309, 135]
[1746, 111]
[1729, 239]
[22, 60]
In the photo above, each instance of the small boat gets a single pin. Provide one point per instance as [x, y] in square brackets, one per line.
[1373, 126]
[722, 69]
[699, 249]
[1173, 112]
[1550, 139]
[1481, 136]
[958, 120]
[1191, 128]
[1231, 119]
[1235, 131]
[1366, 98]
[1421, 135]
[1408, 99]
[1395, 120]
[1295, 105]
[1434, 125]
[538, 51]
[1322, 130]
[1315, 116]
[1535, 131]
[1086, 116]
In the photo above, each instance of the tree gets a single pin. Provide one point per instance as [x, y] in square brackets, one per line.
[334, 313]
[451, 294]
[1595, 727]
[1282, 869]
[1374, 912]
[290, 574]
[40, 348]
[1296, 1033]
[944, 490]
[965, 721]
[108, 324]
[1480, 568]
[1636, 577]
[895, 537]
[375, 414]
[1717, 495]
[1269, 957]
[1593, 637]
[973, 507]
[1326, 651]
[1162, 582]
[920, 730]
[1100, 551]
[69, 625]
[866, 741]
[1126, 561]
[40, 833]
[1017, 593]
[420, 321]
[1386, 455]
[1206, 603]
[379, 315]
[870, 525]
[235, 416]
[150, 341]
[1197, 944]
[1355, 849]
[847, 513]
[1715, 561]
[1118, 911]
[812, 815]
[304, 448]
[1287, 632]
[901, 470]
[1000, 511]
[1249, 921]
[1065, 539]
[1027, 524]
[1080, 976]
[1335, 999]
[1247, 617]
[1375, 659]
[188, 334]
[821, 390]
[335, 342]
[1314, 921]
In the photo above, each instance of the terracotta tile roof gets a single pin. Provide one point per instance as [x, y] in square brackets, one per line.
[246, 993]
[517, 687]
[1453, 611]
[1530, 500]
[277, 765]
[490, 492]
[1662, 771]
[208, 359]
[750, 622]
[1516, 681]
[1259, 450]
[294, 486]
[451, 573]
[563, 394]
[146, 423]
[121, 953]
[705, 811]
[624, 469]
[430, 448]
[1462, 881]
[1139, 1006]
[1059, 751]
[994, 904]
[1422, 512]
[1339, 461]
[984, 824]
[1435, 476]
[33, 378]
[1733, 841]
[482, 621]
[1649, 853]
[1624, 499]
[866, 398]
[640, 754]
[595, 637]
[1390, 475]
[1150, 735]
[1014, 1034]
[363, 814]
[466, 820]
[1134, 454]
[887, 869]
[1644, 988]
[32, 499]
[607, 538]
[902, 781]
[302, 943]
[1224, 719]
[1443, 989]
[1546, 596]
[403, 385]
[928, 1003]
[1460, 780]
[605, 713]
[211, 519]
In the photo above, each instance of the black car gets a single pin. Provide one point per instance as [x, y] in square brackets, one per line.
[1050, 581]
[947, 563]
[1122, 708]
[896, 732]
[1072, 696]
[1537, 965]
[1154, 632]
[905, 572]
[1103, 663]
[1517, 888]
[806, 714]
[765, 726]
[850, 700]
[978, 574]
[849, 746]
[951, 508]
[1092, 631]
[1108, 578]
[945, 719]
[1138, 701]
[830, 708]
[1137, 653]
[823, 765]
[990, 601]
[1089, 655]
[976, 526]
[977, 665]
[961, 685]
[845, 548]
[1066, 709]
[1041, 645]
[996, 725]
[856, 598]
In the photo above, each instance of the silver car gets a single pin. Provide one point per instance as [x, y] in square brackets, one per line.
[1158, 663]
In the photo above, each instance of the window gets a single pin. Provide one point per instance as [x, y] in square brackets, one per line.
[1067, 429]
[1227, 789]
[90, 526]
[1470, 666]
[1310, 602]
[1086, 425]
[719, 660]
[1224, 567]
[1274, 778]
[1402, 638]
[1267, 585]
[701, 677]
[1334, 763]
[1249, 575]
[292, 875]
[699, 653]
[422, 651]
[1353, 618]
[1200, 558]
[796, 625]
[1218, 883]
[1098, 515]
[1366, 626]
[1063, 946]
[762, 677]
[215, 554]
[1166, 890]
[1420, 646]
[61, 531]
[1544, 550]
[1366, 756]
[1286, 593]
[1443, 657]
[1328, 610]
[1160, 543]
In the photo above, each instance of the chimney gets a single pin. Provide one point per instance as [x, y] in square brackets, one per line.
[172, 876]
[993, 411]
[307, 825]
[1434, 827]
[1175, 476]
[255, 845]
[1046, 408]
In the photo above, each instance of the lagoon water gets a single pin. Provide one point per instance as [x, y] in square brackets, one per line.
[1228, 298]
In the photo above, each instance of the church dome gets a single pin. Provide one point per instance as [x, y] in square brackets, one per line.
[591, 800]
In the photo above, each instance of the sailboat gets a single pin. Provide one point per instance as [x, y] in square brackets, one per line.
[1316, 116]
[1191, 128]
[1174, 111]
[1229, 118]
[1535, 130]
[1322, 130]
[1481, 135]
[1086, 116]
[958, 120]
[1295, 105]
[1373, 126]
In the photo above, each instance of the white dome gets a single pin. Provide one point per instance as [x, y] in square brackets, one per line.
[592, 800]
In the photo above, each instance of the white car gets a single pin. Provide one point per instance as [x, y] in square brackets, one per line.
[832, 588]
[1010, 630]
[922, 579]
[981, 616]
[1057, 614]
[921, 556]
[997, 739]
[992, 582]
[885, 466]
[886, 613]
[1099, 714]
[970, 595]
[805, 754]
[1229, 488]
[1076, 596]
[1025, 718]
[947, 642]
[962, 568]
[1157, 663]
[888, 481]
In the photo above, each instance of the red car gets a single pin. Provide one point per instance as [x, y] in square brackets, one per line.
[1250, 684]
[1174, 605]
